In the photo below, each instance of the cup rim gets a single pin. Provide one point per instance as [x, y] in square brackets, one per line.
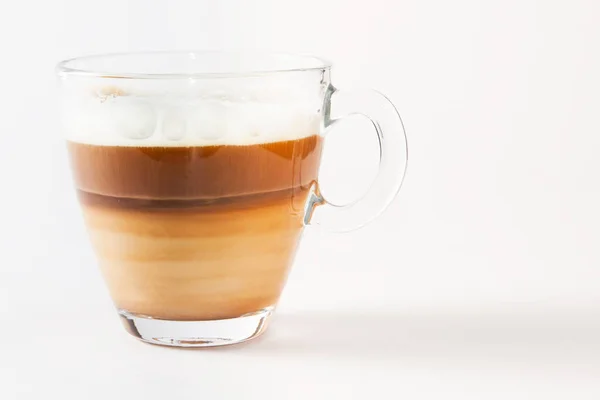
[282, 63]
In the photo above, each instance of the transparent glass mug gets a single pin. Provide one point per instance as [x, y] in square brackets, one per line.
[197, 173]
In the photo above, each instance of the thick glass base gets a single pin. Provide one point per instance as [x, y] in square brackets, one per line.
[196, 333]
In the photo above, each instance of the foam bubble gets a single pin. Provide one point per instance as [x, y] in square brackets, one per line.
[130, 118]
[117, 116]
[174, 125]
[211, 121]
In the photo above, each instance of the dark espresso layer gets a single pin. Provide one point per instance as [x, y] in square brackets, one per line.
[205, 205]
[209, 172]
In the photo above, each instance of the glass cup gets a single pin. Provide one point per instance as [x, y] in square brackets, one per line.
[197, 173]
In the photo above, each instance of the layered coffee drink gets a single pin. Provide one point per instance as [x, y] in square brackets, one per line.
[194, 221]
[197, 172]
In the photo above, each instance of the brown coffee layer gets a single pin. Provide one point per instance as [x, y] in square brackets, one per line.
[194, 172]
[195, 233]
[295, 195]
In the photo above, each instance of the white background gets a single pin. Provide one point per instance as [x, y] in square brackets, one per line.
[480, 282]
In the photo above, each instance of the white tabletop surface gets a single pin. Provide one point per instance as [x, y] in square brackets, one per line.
[317, 354]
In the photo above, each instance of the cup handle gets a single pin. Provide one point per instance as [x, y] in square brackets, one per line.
[393, 159]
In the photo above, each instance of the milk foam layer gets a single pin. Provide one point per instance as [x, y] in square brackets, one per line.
[113, 116]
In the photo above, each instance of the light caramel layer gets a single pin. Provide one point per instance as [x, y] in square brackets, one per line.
[195, 265]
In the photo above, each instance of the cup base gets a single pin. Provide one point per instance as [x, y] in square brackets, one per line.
[210, 333]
